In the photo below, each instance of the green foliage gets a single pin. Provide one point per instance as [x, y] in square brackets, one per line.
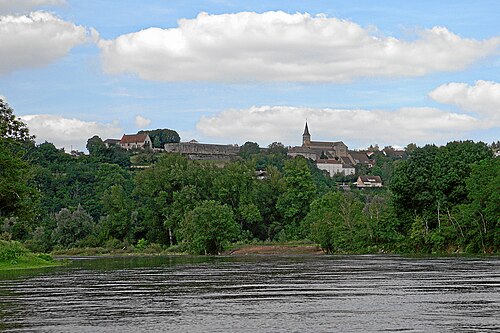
[433, 188]
[335, 221]
[72, 227]
[299, 191]
[249, 149]
[19, 198]
[11, 251]
[96, 146]
[208, 228]
[480, 218]
[142, 244]
[12, 128]
[13, 255]
[114, 154]
[439, 199]
[160, 137]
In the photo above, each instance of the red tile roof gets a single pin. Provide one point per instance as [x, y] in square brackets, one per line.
[133, 138]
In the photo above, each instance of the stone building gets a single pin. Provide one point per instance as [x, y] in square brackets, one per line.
[330, 156]
[203, 151]
[369, 181]
[135, 141]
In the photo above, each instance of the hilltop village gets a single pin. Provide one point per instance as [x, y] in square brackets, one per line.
[332, 157]
[150, 191]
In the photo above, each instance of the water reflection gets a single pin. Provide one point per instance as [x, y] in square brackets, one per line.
[257, 294]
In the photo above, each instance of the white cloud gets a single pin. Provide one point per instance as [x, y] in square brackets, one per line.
[8, 6]
[69, 132]
[38, 39]
[276, 46]
[483, 98]
[141, 122]
[266, 124]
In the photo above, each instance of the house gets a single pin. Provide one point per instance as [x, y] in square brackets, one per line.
[361, 157]
[335, 167]
[135, 141]
[394, 153]
[369, 181]
[111, 142]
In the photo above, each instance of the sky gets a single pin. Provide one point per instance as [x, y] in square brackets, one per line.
[384, 72]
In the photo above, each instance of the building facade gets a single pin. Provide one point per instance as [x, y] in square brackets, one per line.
[330, 156]
[203, 151]
[135, 141]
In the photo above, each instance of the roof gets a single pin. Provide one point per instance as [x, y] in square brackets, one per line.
[360, 157]
[391, 152]
[328, 161]
[133, 138]
[112, 141]
[301, 150]
[306, 130]
[371, 179]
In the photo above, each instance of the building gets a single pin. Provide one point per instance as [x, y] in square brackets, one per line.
[330, 156]
[361, 157]
[135, 141]
[369, 181]
[111, 142]
[394, 153]
[335, 167]
[203, 151]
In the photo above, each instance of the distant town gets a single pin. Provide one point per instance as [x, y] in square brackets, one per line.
[333, 157]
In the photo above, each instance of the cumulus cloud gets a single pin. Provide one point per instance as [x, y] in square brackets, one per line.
[141, 122]
[38, 39]
[69, 132]
[8, 6]
[483, 98]
[277, 46]
[266, 124]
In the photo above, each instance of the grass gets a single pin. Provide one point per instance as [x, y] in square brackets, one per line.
[28, 262]
[15, 256]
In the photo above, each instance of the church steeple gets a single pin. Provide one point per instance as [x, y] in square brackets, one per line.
[306, 137]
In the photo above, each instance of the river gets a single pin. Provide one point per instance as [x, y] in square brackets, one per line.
[368, 293]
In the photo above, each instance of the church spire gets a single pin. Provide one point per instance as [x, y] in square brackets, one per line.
[306, 137]
[306, 130]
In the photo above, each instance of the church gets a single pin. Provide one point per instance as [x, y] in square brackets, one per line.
[331, 156]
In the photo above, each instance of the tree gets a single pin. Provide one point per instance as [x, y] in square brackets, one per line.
[161, 136]
[118, 208]
[96, 146]
[277, 148]
[334, 221]
[72, 226]
[412, 185]
[480, 218]
[155, 188]
[12, 128]
[208, 228]
[18, 197]
[298, 193]
[249, 149]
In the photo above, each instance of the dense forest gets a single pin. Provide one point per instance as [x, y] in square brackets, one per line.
[439, 199]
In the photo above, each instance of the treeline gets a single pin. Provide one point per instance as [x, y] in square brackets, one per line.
[440, 199]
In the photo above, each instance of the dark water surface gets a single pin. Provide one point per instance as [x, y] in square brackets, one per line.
[256, 294]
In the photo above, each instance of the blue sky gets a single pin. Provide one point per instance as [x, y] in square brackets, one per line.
[365, 72]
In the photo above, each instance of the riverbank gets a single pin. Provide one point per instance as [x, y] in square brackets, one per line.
[275, 249]
[29, 262]
[15, 256]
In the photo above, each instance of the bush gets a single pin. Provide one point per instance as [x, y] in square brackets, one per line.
[11, 251]
[208, 228]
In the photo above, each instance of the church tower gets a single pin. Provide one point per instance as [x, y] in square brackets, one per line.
[306, 137]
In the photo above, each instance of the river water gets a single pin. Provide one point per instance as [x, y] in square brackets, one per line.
[256, 294]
